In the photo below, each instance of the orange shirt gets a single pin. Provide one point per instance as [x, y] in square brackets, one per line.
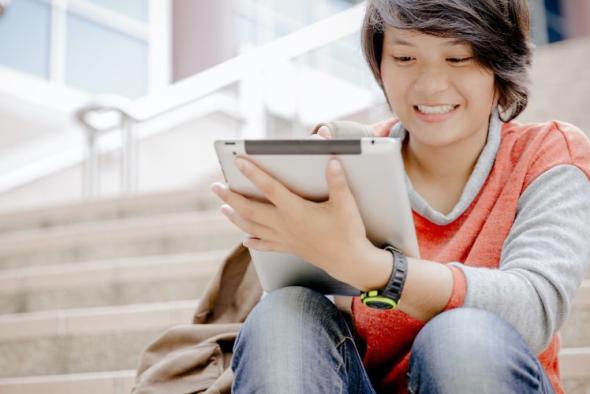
[475, 239]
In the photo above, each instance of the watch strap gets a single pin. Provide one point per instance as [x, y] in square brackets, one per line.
[395, 286]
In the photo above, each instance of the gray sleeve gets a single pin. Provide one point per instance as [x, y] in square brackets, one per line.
[544, 258]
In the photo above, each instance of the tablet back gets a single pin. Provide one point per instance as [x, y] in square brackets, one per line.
[375, 173]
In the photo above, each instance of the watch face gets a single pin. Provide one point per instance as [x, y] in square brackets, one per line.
[380, 303]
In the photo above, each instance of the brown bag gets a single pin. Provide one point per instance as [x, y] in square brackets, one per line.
[195, 358]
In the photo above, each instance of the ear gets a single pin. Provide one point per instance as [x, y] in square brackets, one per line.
[496, 97]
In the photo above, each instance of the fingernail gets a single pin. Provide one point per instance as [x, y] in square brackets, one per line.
[217, 188]
[226, 209]
[335, 166]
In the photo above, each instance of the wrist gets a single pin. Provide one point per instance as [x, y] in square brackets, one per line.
[375, 266]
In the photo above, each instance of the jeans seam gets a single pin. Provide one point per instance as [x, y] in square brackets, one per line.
[338, 345]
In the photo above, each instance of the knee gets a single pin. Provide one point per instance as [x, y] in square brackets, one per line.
[286, 314]
[284, 305]
[473, 341]
[281, 332]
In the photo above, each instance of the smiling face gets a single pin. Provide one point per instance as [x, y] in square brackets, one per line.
[439, 91]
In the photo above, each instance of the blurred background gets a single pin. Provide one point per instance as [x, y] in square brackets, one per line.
[180, 73]
[108, 113]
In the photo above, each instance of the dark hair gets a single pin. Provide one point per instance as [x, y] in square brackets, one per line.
[497, 30]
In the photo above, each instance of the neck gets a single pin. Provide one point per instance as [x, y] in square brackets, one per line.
[444, 164]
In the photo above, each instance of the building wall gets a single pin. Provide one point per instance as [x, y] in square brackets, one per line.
[202, 35]
[577, 14]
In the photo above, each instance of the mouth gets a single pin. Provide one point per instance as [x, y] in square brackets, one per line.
[435, 109]
[435, 113]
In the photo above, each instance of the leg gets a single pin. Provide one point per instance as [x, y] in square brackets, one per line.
[296, 341]
[470, 350]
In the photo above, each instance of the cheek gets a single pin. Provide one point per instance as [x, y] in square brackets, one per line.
[478, 89]
[395, 87]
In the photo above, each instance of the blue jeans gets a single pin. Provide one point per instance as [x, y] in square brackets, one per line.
[296, 341]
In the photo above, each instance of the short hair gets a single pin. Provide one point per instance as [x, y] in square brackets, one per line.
[497, 30]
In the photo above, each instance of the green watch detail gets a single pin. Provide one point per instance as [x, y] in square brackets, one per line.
[388, 298]
[374, 300]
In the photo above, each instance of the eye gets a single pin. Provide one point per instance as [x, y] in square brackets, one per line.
[403, 59]
[459, 60]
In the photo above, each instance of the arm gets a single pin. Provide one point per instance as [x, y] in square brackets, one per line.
[544, 260]
[427, 289]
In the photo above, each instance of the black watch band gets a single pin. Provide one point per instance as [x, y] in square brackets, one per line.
[395, 286]
[389, 297]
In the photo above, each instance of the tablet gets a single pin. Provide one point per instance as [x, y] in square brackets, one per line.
[375, 172]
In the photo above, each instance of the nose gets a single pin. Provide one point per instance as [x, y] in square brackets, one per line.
[430, 81]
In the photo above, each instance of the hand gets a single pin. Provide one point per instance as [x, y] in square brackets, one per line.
[323, 133]
[380, 129]
[329, 235]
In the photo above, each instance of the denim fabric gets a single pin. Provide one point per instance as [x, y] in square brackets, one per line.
[470, 350]
[296, 341]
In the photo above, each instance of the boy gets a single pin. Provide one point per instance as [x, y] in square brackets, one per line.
[502, 214]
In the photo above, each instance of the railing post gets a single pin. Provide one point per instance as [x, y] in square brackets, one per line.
[129, 165]
[92, 118]
[90, 171]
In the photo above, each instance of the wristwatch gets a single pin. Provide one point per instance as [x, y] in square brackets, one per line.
[388, 297]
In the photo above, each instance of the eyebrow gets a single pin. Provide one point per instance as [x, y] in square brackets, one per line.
[456, 41]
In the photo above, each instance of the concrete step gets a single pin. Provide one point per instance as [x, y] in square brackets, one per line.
[575, 370]
[143, 236]
[121, 382]
[147, 204]
[84, 340]
[102, 283]
[95, 339]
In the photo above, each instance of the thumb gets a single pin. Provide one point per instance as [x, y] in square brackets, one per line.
[338, 189]
[382, 129]
[324, 131]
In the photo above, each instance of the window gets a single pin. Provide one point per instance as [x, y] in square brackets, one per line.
[136, 9]
[25, 38]
[100, 46]
[102, 60]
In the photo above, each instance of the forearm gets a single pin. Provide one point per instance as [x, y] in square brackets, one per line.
[427, 289]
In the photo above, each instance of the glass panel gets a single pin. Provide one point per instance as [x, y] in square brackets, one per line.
[275, 18]
[244, 33]
[101, 60]
[137, 9]
[24, 37]
[342, 59]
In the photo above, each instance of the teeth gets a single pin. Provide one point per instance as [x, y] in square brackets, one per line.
[440, 109]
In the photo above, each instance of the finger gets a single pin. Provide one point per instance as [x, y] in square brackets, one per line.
[338, 189]
[263, 245]
[272, 189]
[247, 226]
[317, 137]
[324, 132]
[255, 211]
[382, 129]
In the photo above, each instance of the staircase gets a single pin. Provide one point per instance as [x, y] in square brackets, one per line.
[85, 287]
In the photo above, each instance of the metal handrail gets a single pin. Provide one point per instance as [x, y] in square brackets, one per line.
[123, 114]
